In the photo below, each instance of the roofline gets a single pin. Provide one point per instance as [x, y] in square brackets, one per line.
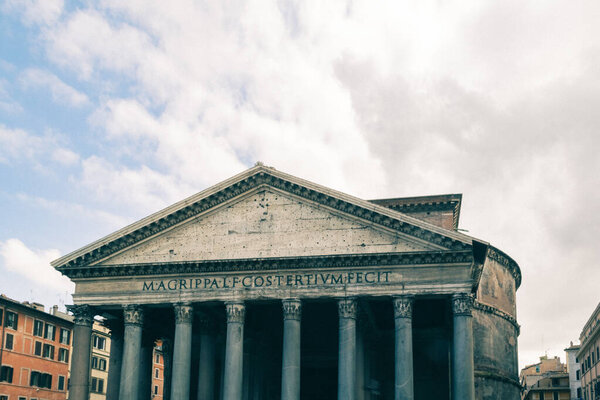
[14, 304]
[590, 320]
[256, 170]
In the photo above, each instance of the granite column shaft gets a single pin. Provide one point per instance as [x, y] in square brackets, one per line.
[115, 359]
[234, 351]
[463, 379]
[182, 352]
[206, 370]
[347, 349]
[403, 364]
[133, 316]
[80, 362]
[290, 368]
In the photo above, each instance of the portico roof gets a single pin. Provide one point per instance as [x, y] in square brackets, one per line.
[263, 176]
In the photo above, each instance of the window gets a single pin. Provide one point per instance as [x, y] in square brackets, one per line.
[48, 351]
[555, 382]
[97, 385]
[22, 398]
[99, 363]
[6, 374]
[63, 355]
[49, 332]
[578, 374]
[578, 393]
[8, 344]
[157, 359]
[537, 368]
[37, 348]
[65, 336]
[155, 389]
[156, 373]
[555, 396]
[11, 320]
[541, 395]
[2, 397]
[99, 342]
[61, 382]
[40, 379]
[38, 328]
[1, 312]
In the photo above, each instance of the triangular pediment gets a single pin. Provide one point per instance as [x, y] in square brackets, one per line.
[268, 223]
[263, 213]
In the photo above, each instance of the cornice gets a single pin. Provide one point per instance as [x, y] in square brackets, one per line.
[497, 312]
[275, 263]
[502, 258]
[260, 176]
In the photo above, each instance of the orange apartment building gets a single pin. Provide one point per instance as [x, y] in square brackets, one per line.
[158, 372]
[35, 349]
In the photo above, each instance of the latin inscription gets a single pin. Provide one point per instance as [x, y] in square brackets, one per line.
[263, 281]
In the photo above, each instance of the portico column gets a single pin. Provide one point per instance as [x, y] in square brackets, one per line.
[234, 351]
[80, 362]
[290, 366]
[145, 391]
[206, 370]
[403, 385]
[182, 352]
[133, 316]
[115, 359]
[463, 381]
[347, 349]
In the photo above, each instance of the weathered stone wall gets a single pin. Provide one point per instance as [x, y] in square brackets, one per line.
[495, 333]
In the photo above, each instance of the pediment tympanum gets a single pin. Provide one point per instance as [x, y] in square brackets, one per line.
[267, 223]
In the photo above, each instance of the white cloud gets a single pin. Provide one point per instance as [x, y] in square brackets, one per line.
[18, 146]
[7, 103]
[43, 12]
[33, 264]
[61, 92]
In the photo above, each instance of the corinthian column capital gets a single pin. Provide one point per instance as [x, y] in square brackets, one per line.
[462, 304]
[347, 308]
[82, 314]
[292, 309]
[403, 306]
[133, 314]
[236, 311]
[184, 313]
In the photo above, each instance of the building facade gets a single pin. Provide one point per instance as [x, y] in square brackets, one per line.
[574, 371]
[589, 356]
[35, 348]
[552, 386]
[267, 286]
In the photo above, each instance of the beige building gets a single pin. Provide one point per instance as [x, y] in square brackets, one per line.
[99, 361]
[589, 357]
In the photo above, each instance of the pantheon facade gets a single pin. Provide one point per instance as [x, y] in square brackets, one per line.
[267, 286]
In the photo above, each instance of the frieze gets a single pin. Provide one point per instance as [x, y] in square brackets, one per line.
[292, 309]
[347, 308]
[133, 315]
[184, 313]
[501, 258]
[236, 312]
[82, 315]
[494, 311]
[403, 306]
[462, 304]
[251, 182]
[274, 263]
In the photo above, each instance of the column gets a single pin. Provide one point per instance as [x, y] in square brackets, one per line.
[347, 349]
[167, 345]
[290, 366]
[115, 359]
[206, 370]
[234, 351]
[133, 316]
[145, 391]
[80, 361]
[403, 364]
[182, 352]
[463, 381]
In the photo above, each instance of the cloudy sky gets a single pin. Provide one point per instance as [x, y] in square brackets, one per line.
[111, 110]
